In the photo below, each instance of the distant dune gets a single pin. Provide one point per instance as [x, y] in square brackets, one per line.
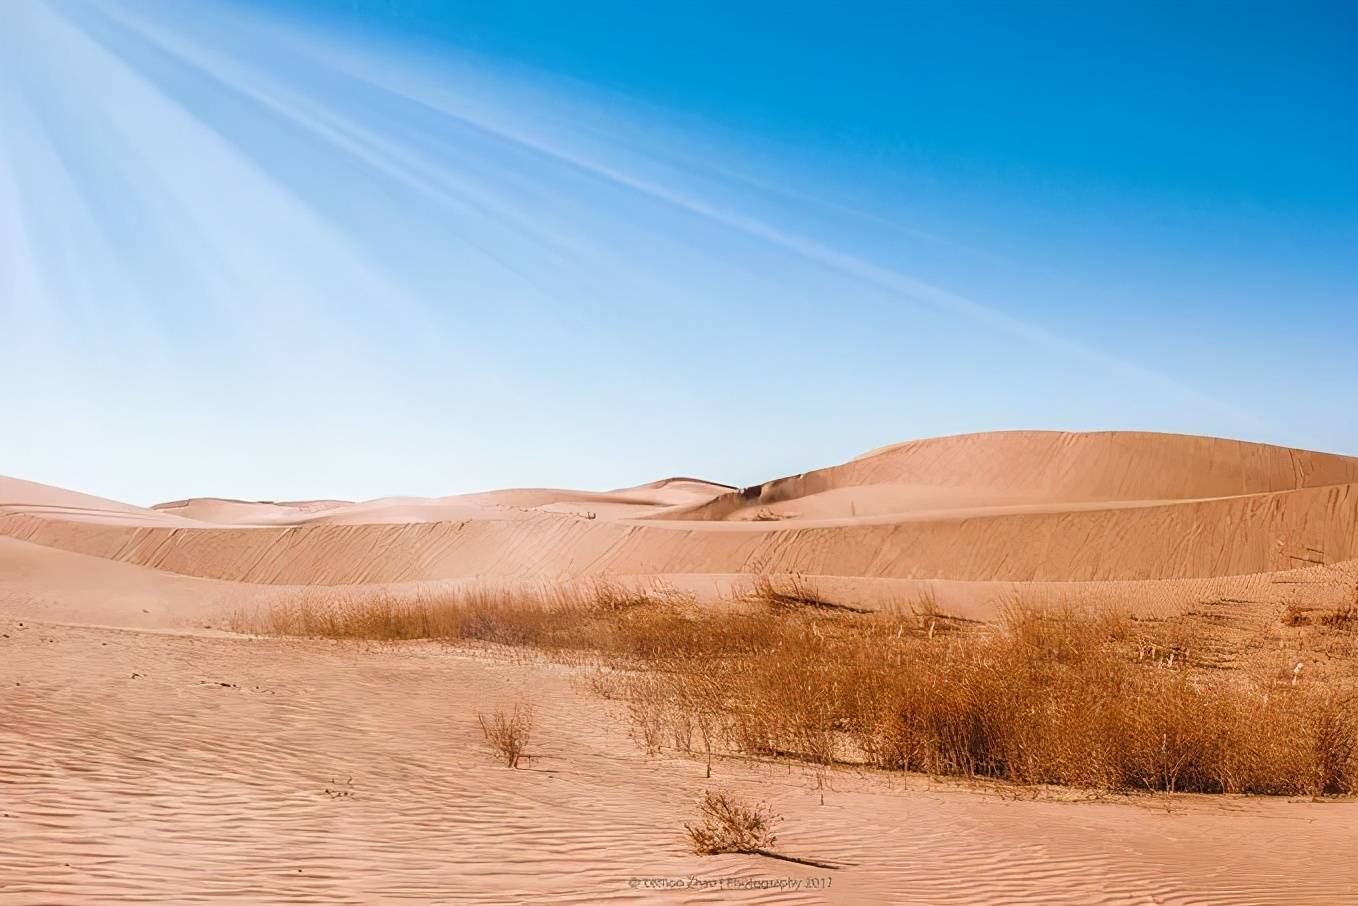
[1082, 514]
[1013, 506]
[1043, 469]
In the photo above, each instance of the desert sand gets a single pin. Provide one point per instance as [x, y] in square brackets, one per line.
[147, 754]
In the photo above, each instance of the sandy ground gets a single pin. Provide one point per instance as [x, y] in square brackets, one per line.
[142, 766]
[148, 756]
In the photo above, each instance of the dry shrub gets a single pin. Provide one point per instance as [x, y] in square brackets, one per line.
[731, 826]
[1343, 618]
[554, 618]
[930, 616]
[1296, 615]
[508, 733]
[1052, 697]
[1060, 696]
[792, 591]
[650, 709]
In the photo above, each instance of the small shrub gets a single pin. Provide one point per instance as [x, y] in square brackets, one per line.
[731, 826]
[1296, 615]
[792, 592]
[508, 733]
[1343, 618]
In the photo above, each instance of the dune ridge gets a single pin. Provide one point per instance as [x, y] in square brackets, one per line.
[1003, 507]
[1046, 468]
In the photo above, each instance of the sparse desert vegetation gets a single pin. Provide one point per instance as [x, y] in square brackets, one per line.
[991, 653]
[508, 732]
[729, 825]
[1089, 698]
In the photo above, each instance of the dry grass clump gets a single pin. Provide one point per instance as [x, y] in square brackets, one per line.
[554, 618]
[1343, 618]
[1296, 615]
[508, 733]
[731, 826]
[1055, 696]
[792, 591]
[1058, 698]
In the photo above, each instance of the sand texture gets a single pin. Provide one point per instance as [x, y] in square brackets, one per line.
[148, 755]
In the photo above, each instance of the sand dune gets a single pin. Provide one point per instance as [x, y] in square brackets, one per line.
[1237, 536]
[1042, 468]
[220, 510]
[19, 496]
[150, 756]
[1006, 507]
[638, 501]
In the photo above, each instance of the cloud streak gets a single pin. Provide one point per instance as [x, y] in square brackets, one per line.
[212, 201]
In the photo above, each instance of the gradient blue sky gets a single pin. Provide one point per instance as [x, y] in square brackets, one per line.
[282, 249]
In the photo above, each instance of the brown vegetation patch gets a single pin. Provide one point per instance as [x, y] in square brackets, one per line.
[731, 826]
[508, 733]
[1047, 696]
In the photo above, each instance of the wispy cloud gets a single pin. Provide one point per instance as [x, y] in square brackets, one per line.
[393, 80]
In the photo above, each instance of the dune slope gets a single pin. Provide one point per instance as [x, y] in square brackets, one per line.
[1006, 507]
[1013, 507]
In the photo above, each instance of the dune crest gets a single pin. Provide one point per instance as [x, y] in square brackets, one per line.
[1034, 468]
[1006, 507]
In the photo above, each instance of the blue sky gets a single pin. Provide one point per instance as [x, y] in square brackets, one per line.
[287, 249]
